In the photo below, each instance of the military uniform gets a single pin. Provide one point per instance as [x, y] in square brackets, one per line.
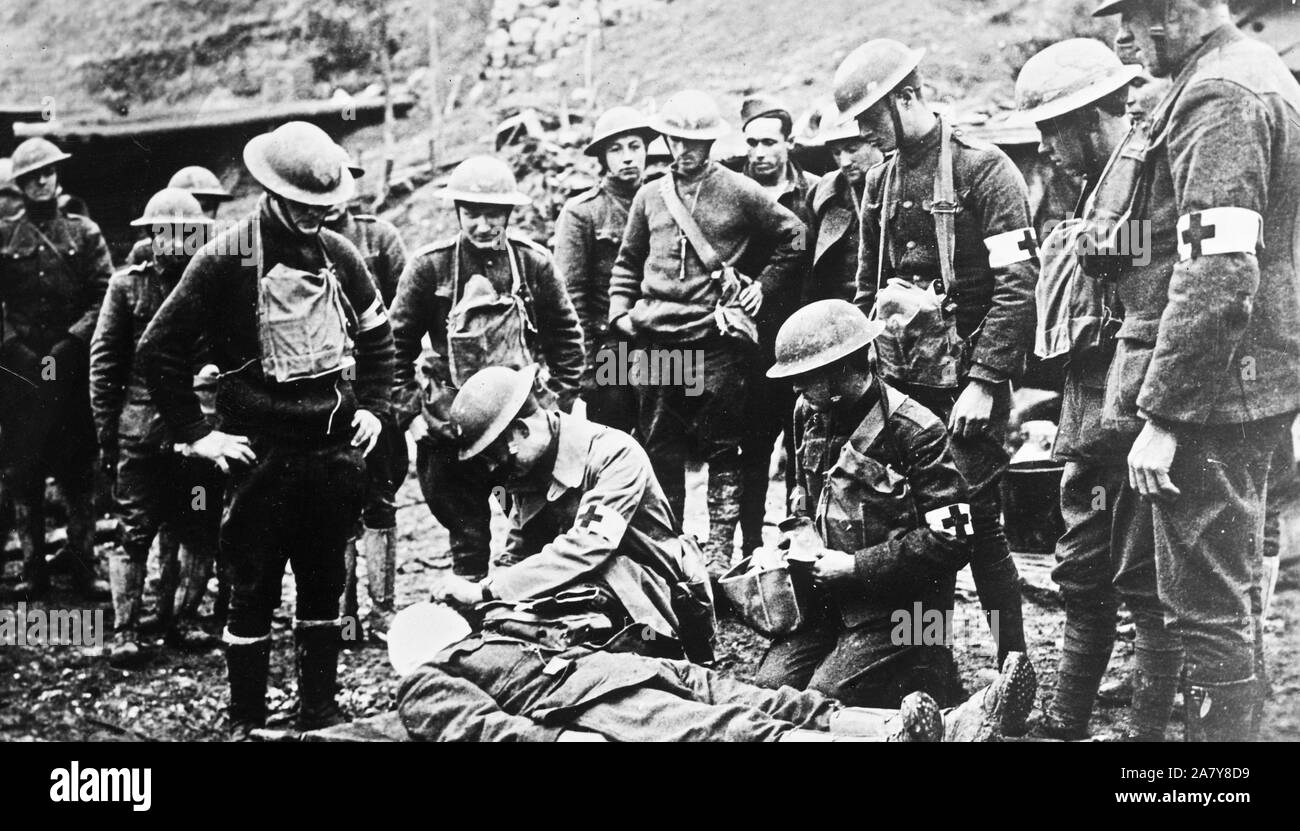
[989, 307]
[1210, 349]
[54, 270]
[598, 515]
[457, 493]
[834, 235]
[884, 488]
[587, 237]
[771, 401]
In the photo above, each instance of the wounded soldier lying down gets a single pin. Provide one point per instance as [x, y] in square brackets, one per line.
[462, 685]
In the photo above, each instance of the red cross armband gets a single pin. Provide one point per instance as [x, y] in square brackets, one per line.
[1219, 231]
[951, 520]
[1012, 247]
[603, 521]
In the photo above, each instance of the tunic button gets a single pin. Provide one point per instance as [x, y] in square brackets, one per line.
[911, 243]
[908, 204]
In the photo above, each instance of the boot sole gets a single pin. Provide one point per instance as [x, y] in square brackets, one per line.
[1019, 686]
[922, 719]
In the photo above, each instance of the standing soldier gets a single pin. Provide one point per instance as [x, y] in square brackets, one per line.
[200, 182]
[484, 297]
[767, 126]
[1076, 91]
[679, 287]
[381, 248]
[587, 238]
[300, 335]
[54, 270]
[947, 261]
[155, 485]
[835, 208]
[1207, 365]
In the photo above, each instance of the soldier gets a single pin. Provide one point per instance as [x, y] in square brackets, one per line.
[587, 238]
[155, 485]
[892, 512]
[204, 185]
[680, 288]
[11, 198]
[767, 126]
[54, 270]
[833, 229]
[1076, 91]
[462, 685]
[587, 515]
[381, 248]
[1207, 364]
[951, 271]
[485, 297]
[301, 338]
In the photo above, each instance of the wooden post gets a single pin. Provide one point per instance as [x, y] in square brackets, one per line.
[386, 68]
[435, 85]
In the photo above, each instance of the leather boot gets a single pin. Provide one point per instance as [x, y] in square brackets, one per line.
[348, 603]
[1000, 709]
[317, 646]
[378, 547]
[126, 580]
[1221, 712]
[29, 521]
[193, 571]
[724, 512]
[81, 545]
[997, 583]
[247, 665]
[918, 719]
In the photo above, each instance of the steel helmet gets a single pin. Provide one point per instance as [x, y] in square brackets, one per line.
[7, 176]
[172, 206]
[199, 181]
[300, 162]
[615, 122]
[1068, 75]
[486, 405]
[826, 126]
[871, 72]
[820, 334]
[420, 631]
[690, 114]
[34, 154]
[1114, 7]
[484, 180]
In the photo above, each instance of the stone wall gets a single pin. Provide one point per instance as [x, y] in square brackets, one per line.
[530, 35]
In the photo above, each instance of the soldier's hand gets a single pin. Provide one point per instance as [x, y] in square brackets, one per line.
[973, 410]
[455, 590]
[751, 298]
[221, 449]
[1150, 460]
[368, 427]
[831, 566]
[418, 429]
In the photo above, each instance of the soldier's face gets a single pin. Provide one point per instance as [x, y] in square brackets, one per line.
[688, 156]
[854, 157]
[40, 185]
[817, 388]
[1134, 41]
[769, 148]
[877, 127]
[625, 158]
[484, 225]
[1063, 142]
[300, 217]
[210, 205]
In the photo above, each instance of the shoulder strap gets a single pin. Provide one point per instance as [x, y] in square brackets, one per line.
[944, 208]
[708, 255]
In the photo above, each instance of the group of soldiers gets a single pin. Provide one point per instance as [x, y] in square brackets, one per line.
[254, 400]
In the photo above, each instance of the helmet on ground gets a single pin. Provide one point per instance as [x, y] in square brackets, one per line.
[420, 631]
[486, 405]
[1068, 75]
[820, 334]
[172, 206]
[692, 115]
[615, 122]
[870, 73]
[484, 180]
[34, 154]
[199, 181]
[300, 162]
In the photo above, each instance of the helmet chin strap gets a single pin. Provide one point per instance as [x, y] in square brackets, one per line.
[898, 121]
[1160, 38]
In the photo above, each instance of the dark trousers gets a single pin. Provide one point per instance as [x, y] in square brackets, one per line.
[157, 488]
[295, 505]
[982, 461]
[678, 420]
[609, 400]
[386, 469]
[686, 702]
[859, 667]
[1208, 545]
[45, 423]
[1085, 566]
[770, 413]
[457, 494]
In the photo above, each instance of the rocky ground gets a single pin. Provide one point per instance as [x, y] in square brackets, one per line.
[66, 693]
